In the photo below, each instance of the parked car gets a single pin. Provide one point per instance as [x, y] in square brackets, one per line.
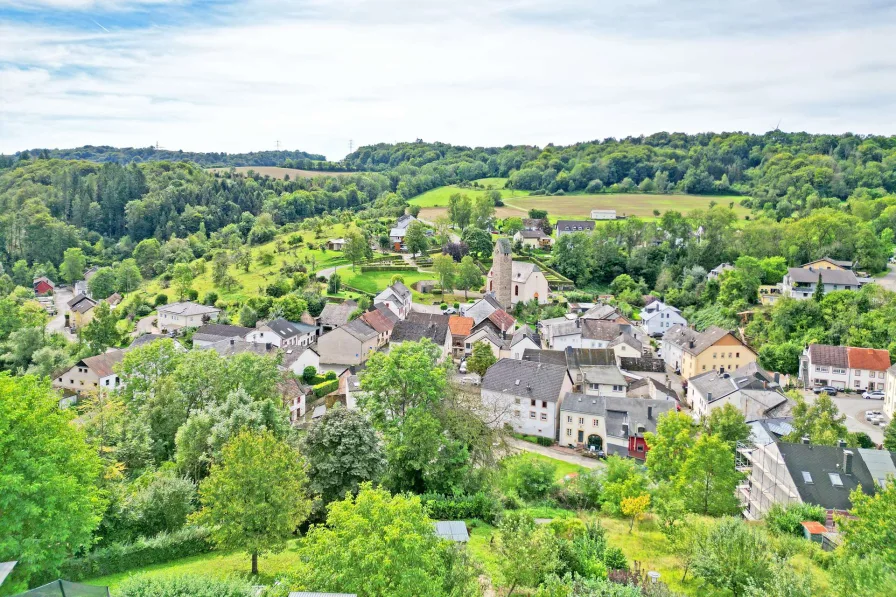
[873, 395]
[450, 311]
[872, 414]
[829, 390]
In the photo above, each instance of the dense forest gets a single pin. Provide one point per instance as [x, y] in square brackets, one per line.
[127, 155]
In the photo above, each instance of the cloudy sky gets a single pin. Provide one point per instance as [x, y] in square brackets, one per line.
[239, 76]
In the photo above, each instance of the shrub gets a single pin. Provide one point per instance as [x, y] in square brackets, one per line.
[479, 505]
[530, 479]
[443, 306]
[457, 305]
[161, 299]
[615, 559]
[309, 373]
[118, 557]
[192, 294]
[330, 375]
[544, 441]
[388, 268]
[145, 585]
[210, 298]
[786, 520]
[325, 388]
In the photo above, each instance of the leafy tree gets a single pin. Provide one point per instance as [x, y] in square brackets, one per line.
[622, 479]
[820, 421]
[102, 331]
[21, 275]
[73, 263]
[248, 316]
[873, 530]
[512, 226]
[686, 540]
[102, 283]
[734, 556]
[890, 436]
[783, 581]
[147, 253]
[253, 500]
[342, 451]
[468, 275]
[573, 256]
[728, 424]
[291, 307]
[242, 257]
[443, 265]
[378, 544]
[862, 576]
[670, 445]
[483, 210]
[334, 283]
[48, 475]
[538, 214]
[356, 247]
[526, 477]
[784, 357]
[460, 210]
[634, 508]
[182, 279]
[786, 520]
[128, 276]
[707, 478]
[384, 243]
[818, 295]
[527, 553]
[415, 238]
[481, 358]
[478, 240]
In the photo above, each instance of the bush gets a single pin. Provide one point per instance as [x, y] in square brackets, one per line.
[145, 585]
[325, 388]
[388, 268]
[330, 375]
[457, 305]
[119, 557]
[309, 373]
[530, 479]
[192, 294]
[161, 299]
[786, 521]
[443, 306]
[480, 505]
[210, 298]
[544, 441]
[615, 559]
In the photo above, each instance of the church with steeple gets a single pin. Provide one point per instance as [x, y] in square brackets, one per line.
[513, 281]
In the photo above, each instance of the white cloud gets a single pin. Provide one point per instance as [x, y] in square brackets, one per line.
[436, 73]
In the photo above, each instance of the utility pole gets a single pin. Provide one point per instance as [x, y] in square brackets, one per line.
[349, 145]
[278, 144]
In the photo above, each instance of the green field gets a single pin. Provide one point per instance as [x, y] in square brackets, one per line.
[438, 197]
[373, 282]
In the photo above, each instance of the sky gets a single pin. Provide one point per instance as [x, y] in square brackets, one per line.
[316, 75]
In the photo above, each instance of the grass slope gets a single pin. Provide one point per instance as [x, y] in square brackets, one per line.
[438, 197]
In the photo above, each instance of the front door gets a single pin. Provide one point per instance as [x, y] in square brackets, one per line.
[581, 436]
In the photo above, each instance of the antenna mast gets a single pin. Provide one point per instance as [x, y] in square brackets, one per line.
[349, 145]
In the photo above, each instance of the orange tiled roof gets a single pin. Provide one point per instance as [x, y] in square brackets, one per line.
[377, 321]
[874, 359]
[815, 528]
[502, 319]
[460, 326]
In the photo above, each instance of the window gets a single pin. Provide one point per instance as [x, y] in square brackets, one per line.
[836, 481]
[516, 290]
[531, 414]
[468, 346]
[704, 367]
[807, 478]
[821, 369]
[568, 432]
[593, 386]
[617, 388]
[544, 416]
[713, 355]
[516, 414]
[517, 400]
[532, 402]
[544, 404]
[595, 422]
[857, 383]
[737, 354]
[839, 371]
[569, 419]
[581, 420]
[640, 448]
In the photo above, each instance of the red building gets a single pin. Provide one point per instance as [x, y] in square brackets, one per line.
[637, 447]
[43, 285]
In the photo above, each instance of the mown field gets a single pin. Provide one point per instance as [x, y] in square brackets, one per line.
[277, 172]
[438, 197]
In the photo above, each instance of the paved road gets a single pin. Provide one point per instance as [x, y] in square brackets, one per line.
[326, 273]
[518, 444]
[888, 281]
[854, 407]
[57, 324]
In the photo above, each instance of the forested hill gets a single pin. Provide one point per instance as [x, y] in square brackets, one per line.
[786, 174]
[126, 155]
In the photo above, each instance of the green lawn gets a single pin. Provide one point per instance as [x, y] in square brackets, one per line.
[374, 282]
[563, 468]
[438, 197]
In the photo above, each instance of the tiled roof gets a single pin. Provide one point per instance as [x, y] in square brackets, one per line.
[291, 354]
[337, 314]
[485, 333]
[102, 364]
[523, 333]
[439, 318]
[874, 359]
[81, 304]
[378, 321]
[525, 379]
[626, 338]
[646, 364]
[589, 357]
[829, 356]
[828, 276]
[113, 299]
[602, 312]
[575, 225]
[521, 270]
[147, 339]
[480, 310]
[460, 326]
[287, 329]
[502, 319]
[360, 330]
[619, 411]
[533, 234]
[231, 346]
[187, 309]
[387, 312]
[549, 357]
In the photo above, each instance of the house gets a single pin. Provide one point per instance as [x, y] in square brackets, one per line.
[80, 310]
[614, 424]
[890, 392]
[657, 317]
[523, 339]
[295, 397]
[598, 333]
[487, 335]
[800, 283]
[769, 294]
[397, 298]
[335, 315]
[603, 380]
[514, 281]
[718, 270]
[691, 352]
[460, 327]
[114, 299]
[531, 224]
[95, 373]
[828, 263]
[381, 319]
[414, 330]
[234, 346]
[396, 238]
[336, 244]
[282, 333]
[297, 358]
[216, 332]
[481, 309]
[603, 214]
[185, 315]
[753, 391]
[500, 321]
[570, 226]
[802, 473]
[844, 367]
[535, 239]
[647, 387]
[585, 366]
[349, 344]
[625, 345]
[43, 285]
[405, 221]
[150, 338]
[525, 395]
[561, 333]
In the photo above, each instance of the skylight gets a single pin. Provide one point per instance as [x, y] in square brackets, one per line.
[807, 477]
[836, 481]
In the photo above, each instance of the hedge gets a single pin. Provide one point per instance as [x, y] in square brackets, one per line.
[480, 505]
[534, 439]
[388, 268]
[322, 389]
[120, 557]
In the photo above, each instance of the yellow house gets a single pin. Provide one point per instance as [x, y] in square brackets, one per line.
[80, 311]
[692, 352]
[827, 263]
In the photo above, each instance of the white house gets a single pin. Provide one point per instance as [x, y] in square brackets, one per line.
[522, 339]
[297, 358]
[751, 390]
[570, 226]
[397, 298]
[216, 332]
[890, 397]
[92, 374]
[526, 395]
[487, 335]
[718, 270]
[535, 239]
[336, 244]
[527, 282]
[603, 380]
[282, 333]
[561, 333]
[350, 344]
[659, 317]
[603, 214]
[626, 346]
[844, 367]
[800, 282]
[185, 315]
[599, 333]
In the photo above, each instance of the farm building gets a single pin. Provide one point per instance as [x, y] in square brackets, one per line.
[43, 285]
[603, 214]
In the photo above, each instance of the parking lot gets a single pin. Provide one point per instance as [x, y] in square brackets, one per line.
[855, 407]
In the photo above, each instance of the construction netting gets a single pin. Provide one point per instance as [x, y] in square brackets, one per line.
[63, 588]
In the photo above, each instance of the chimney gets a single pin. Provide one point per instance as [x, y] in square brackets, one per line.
[650, 412]
[841, 443]
[578, 323]
[804, 439]
[847, 462]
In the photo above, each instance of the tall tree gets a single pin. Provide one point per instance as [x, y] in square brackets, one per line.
[670, 445]
[483, 210]
[415, 238]
[479, 241]
[51, 503]
[820, 421]
[527, 552]
[468, 275]
[102, 331]
[443, 266]
[73, 263]
[872, 531]
[460, 210]
[734, 556]
[102, 283]
[128, 276]
[182, 279]
[356, 247]
[707, 479]
[481, 358]
[254, 499]
[728, 424]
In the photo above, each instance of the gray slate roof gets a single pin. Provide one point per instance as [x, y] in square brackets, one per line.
[682, 337]
[619, 411]
[231, 346]
[602, 312]
[597, 329]
[549, 357]
[480, 310]
[337, 314]
[646, 364]
[829, 356]
[828, 276]
[523, 333]
[147, 339]
[414, 331]
[626, 338]
[188, 309]
[503, 246]
[575, 225]
[525, 379]
[225, 331]
[533, 234]
[521, 270]
[604, 374]
[360, 330]
[287, 329]
[576, 358]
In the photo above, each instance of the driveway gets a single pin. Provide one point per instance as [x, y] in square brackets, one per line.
[57, 324]
[326, 273]
[888, 281]
[854, 407]
[563, 454]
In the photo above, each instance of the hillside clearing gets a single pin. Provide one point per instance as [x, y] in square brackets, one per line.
[438, 197]
[277, 172]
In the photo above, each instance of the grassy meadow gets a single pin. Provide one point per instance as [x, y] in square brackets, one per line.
[438, 197]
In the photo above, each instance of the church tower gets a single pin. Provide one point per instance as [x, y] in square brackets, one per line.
[502, 272]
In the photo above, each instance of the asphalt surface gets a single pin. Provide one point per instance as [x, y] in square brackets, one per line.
[855, 407]
[57, 324]
[888, 281]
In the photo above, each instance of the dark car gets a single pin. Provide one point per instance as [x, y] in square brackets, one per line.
[826, 390]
